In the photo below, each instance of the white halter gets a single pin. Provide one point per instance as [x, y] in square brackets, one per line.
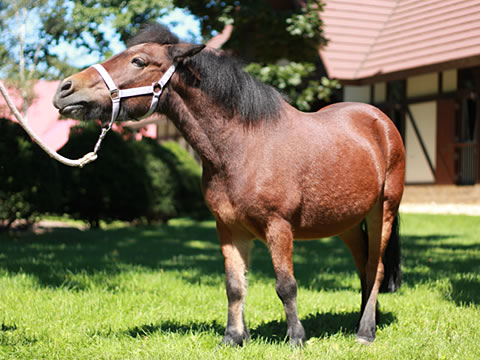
[116, 95]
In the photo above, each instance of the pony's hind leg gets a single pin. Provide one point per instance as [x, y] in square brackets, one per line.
[279, 239]
[356, 240]
[235, 248]
[379, 228]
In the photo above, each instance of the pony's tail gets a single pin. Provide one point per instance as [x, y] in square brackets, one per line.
[392, 278]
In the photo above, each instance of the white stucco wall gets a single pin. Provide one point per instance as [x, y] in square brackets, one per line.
[425, 115]
[356, 93]
[421, 85]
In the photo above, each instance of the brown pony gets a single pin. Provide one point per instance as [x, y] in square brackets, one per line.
[270, 171]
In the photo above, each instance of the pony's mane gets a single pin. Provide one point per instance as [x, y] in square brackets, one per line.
[155, 33]
[222, 77]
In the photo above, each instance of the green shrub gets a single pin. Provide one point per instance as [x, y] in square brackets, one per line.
[114, 187]
[189, 197]
[29, 179]
[130, 180]
[162, 184]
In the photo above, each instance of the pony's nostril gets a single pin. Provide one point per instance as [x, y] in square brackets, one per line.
[66, 86]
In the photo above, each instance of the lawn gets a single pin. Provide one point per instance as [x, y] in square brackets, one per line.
[158, 293]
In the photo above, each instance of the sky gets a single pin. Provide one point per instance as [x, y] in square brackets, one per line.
[183, 24]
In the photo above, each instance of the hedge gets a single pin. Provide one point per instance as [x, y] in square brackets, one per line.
[130, 180]
[29, 179]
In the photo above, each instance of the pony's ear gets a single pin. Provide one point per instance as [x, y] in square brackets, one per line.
[181, 52]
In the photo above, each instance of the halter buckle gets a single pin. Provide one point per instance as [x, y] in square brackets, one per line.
[160, 89]
[115, 95]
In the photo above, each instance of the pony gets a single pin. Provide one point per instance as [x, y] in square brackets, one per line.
[270, 172]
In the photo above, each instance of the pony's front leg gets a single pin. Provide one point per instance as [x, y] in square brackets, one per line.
[279, 239]
[236, 249]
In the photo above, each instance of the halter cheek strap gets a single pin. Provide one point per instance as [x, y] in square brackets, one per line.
[156, 89]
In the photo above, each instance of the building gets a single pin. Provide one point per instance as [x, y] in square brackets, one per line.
[419, 61]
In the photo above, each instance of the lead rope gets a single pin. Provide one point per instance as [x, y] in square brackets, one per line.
[86, 159]
[115, 96]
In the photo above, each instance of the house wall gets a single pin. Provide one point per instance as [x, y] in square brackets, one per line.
[380, 92]
[357, 93]
[449, 80]
[421, 85]
[425, 118]
[429, 133]
[445, 172]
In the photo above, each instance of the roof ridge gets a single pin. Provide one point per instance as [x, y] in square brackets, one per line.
[374, 42]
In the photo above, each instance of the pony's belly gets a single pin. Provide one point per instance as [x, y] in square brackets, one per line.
[326, 220]
[324, 229]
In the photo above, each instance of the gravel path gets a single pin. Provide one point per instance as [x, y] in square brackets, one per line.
[441, 199]
[435, 208]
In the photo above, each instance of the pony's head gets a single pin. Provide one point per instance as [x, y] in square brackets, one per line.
[90, 95]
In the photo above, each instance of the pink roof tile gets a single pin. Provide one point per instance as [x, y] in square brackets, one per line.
[388, 36]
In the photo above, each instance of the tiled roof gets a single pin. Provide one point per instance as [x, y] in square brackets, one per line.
[376, 37]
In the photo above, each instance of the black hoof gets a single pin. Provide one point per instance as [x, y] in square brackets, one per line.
[297, 342]
[365, 340]
[234, 339]
[297, 336]
[366, 333]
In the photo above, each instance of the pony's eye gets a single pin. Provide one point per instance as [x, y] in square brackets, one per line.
[138, 62]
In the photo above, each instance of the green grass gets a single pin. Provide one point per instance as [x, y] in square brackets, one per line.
[158, 293]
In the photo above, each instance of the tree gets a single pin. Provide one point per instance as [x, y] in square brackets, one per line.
[279, 39]
[32, 30]
[20, 54]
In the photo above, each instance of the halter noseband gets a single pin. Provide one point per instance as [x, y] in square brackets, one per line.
[116, 95]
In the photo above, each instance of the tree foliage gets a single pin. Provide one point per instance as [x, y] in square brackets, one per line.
[45, 24]
[113, 187]
[264, 31]
[299, 81]
[279, 40]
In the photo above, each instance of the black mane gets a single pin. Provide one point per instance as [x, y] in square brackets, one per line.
[155, 33]
[222, 77]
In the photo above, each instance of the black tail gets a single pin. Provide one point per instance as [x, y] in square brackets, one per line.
[391, 261]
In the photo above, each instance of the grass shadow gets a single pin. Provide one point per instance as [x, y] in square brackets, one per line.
[319, 325]
[465, 292]
[55, 257]
[175, 327]
[442, 255]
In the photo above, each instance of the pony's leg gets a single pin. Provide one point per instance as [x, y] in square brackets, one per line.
[279, 239]
[356, 240]
[236, 249]
[379, 227]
